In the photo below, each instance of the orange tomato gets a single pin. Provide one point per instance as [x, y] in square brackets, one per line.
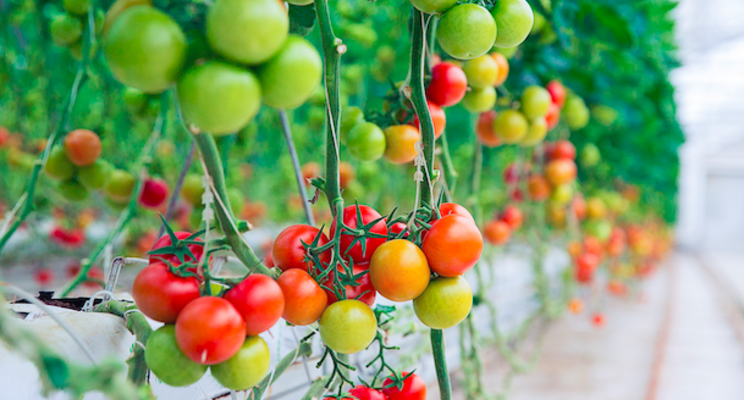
[503, 64]
[304, 299]
[576, 306]
[497, 232]
[513, 216]
[452, 246]
[83, 147]
[484, 129]
[595, 208]
[401, 140]
[310, 170]
[399, 270]
[346, 174]
[561, 171]
[538, 187]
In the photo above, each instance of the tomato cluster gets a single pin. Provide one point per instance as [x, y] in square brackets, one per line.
[499, 229]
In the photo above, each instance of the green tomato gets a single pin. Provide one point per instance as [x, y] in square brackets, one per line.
[444, 303]
[605, 115]
[514, 19]
[94, 176]
[575, 112]
[599, 228]
[481, 71]
[466, 31]
[192, 189]
[535, 101]
[350, 117]
[300, 2]
[247, 31]
[219, 98]
[536, 132]
[479, 100]
[366, 142]
[433, 6]
[145, 49]
[590, 155]
[79, 7]
[65, 29]
[562, 194]
[348, 326]
[511, 126]
[72, 190]
[134, 98]
[246, 368]
[166, 360]
[120, 186]
[539, 24]
[58, 166]
[236, 199]
[291, 76]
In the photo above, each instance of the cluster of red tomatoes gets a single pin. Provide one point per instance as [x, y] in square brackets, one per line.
[411, 387]
[498, 230]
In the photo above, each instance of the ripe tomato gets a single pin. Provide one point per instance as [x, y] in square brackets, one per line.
[556, 214]
[168, 362]
[288, 251]
[579, 206]
[452, 246]
[438, 118]
[414, 388]
[397, 228]
[560, 172]
[513, 216]
[587, 261]
[538, 187]
[247, 31]
[368, 215]
[154, 193]
[165, 241]
[304, 300]
[120, 186]
[219, 98]
[535, 101]
[58, 166]
[484, 129]
[448, 84]
[444, 303]
[366, 142]
[553, 116]
[481, 71]
[536, 132]
[162, 295]
[454, 209]
[246, 368]
[598, 320]
[346, 172]
[479, 100]
[364, 285]
[563, 150]
[557, 93]
[401, 140]
[399, 270]
[94, 176]
[145, 49]
[362, 392]
[310, 170]
[82, 147]
[291, 76]
[259, 299]
[576, 306]
[511, 126]
[466, 31]
[511, 174]
[43, 277]
[348, 326]
[503, 64]
[497, 232]
[596, 208]
[433, 6]
[593, 245]
[576, 112]
[514, 19]
[209, 330]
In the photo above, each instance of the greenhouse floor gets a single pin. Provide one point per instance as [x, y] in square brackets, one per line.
[682, 338]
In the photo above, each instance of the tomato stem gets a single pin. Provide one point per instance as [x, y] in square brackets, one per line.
[296, 166]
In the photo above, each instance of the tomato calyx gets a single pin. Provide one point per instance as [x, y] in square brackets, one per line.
[178, 247]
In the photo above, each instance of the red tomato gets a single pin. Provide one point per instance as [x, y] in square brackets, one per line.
[288, 251]
[154, 193]
[579, 207]
[511, 174]
[304, 299]
[553, 116]
[165, 241]
[368, 214]
[497, 232]
[161, 295]
[94, 273]
[557, 92]
[452, 246]
[43, 276]
[455, 209]
[399, 227]
[437, 117]
[448, 84]
[352, 292]
[72, 238]
[516, 195]
[598, 320]
[362, 392]
[259, 299]
[538, 187]
[484, 129]
[563, 150]
[210, 330]
[513, 217]
[414, 388]
[593, 245]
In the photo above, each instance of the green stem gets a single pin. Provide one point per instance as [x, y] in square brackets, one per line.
[450, 174]
[136, 324]
[440, 362]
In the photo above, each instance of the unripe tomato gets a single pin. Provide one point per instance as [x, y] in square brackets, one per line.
[246, 368]
[162, 295]
[145, 49]
[497, 232]
[433, 6]
[596, 208]
[304, 299]
[366, 142]
[288, 251]
[259, 300]
[535, 102]
[560, 172]
[538, 187]
[576, 112]
[503, 64]
[219, 98]
[348, 326]
[247, 31]
[466, 31]
[444, 303]
[401, 140]
[556, 214]
[562, 194]
[291, 76]
[448, 84]
[72, 190]
[362, 392]
[480, 100]
[399, 270]
[79, 7]
[536, 132]
[168, 362]
[350, 117]
[65, 29]
[590, 155]
[209, 330]
[557, 92]
[94, 176]
[438, 118]
[484, 129]
[414, 388]
[350, 219]
[481, 71]
[119, 186]
[192, 189]
[363, 290]
[513, 217]
[553, 116]
[446, 209]
[154, 193]
[514, 19]
[452, 246]
[58, 166]
[599, 228]
[563, 149]
[511, 126]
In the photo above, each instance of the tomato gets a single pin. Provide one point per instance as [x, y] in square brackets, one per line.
[514, 19]
[553, 116]
[397, 228]
[401, 140]
[590, 155]
[414, 388]
[288, 251]
[162, 295]
[209, 330]
[511, 174]
[438, 118]
[192, 189]
[511, 126]
[259, 300]
[513, 216]
[120, 186]
[481, 71]
[536, 132]
[538, 187]
[72, 238]
[366, 142]
[362, 392]
[364, 291]
[58, 166]
[562, 194]
[94, 176]
[576, 112]
[454, 209]
[448, 84]
[598, 320]
[350, 117]
[247, 31]
[219, 98]
[559, 172]
[165, 241]
[236, 199]
[145, 49]
[43, 277]
[466, 31]
[79, 7]
[310, 170]
[82, 147]
[444, 303]
[452, 246]
[368, 214]
[246, 368]
[168, 362]
[592, 245]
[480, 100]
[599, 228]
[503, 64]
[304, 300]
[563, 149]
[497, 232]
[154, 193]
[433, 6]
[290, 77]
[72, 190]
[399, 270]
[576, 306]
[348, 326]
[65, 29]
[484, 129]
[535, 101]
[346, 172]
[557, 93]
[586, 264]
[596, 208]
[579, 207]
